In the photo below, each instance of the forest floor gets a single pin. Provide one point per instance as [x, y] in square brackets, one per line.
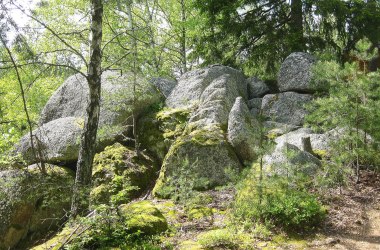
[353, 221]
[354, 216]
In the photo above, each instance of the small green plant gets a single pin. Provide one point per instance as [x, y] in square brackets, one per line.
[349, 108]
[219, 238]
[184, 182]
[277, 200]
[106, 229]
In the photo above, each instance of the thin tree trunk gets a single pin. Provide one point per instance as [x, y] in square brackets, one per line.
[134, 71]
[88, 138]
[183, 37]
[38, 157]
[152, 38]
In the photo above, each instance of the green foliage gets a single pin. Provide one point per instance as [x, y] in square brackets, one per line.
[277, 200]
[107, 229]
[350, 111]
[183, 182]
[13, 122]
[225, 239]
[244, 33]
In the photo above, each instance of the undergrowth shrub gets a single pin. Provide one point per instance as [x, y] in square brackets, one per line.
[105, 229]
[219, 238]
[282, 201]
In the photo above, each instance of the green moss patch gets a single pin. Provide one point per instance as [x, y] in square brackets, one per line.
[143, 217]
[120, 174]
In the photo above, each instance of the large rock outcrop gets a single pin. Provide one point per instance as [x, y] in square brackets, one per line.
[288, 107]
[30, 205]
[62, 119]
[295, 73]
[287, 160]
[70, 100]
[243, 131]
[202, 146]
[55, 141]
[192, 84]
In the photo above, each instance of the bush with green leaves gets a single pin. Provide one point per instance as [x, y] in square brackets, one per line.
[350, 108]
[282, 201]
[105, 229]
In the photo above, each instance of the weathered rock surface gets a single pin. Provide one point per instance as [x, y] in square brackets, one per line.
[143, 216]
[70, 100]
[202, 155]
[216, 102]
[256, 88]
[254, 106]
[151, 137]
[288, 159]
[275, 129]
[295, 73]
[286, 107]
[30, 206]
[241, 131]
[202, 142]
[164, 85]
[192, 84]
[318, 141]
[55, 141]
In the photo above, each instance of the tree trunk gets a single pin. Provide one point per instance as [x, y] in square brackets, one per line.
[134, 71]
[183, 37]
[296, 26]
[88, 138]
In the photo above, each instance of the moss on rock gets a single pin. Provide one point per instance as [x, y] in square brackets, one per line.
[120, 174]
[199, 212]
[151, 137]
[30, 206]
[56, 242]
[173, 121]
[207, 154]
[143, 216]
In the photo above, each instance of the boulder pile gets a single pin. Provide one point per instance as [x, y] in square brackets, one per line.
[210, 127]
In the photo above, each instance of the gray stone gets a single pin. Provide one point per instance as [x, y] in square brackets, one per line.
[164, 85]
[203, 156]
[30, 205]
[256, 88]
[242, 133]
[192, 84]
[288, 160]
[286, 107]
[56, 141]
[318, 141]
[295, 73]
[216, 102]
[70, 100]
[254, 106]
[255, 103]
[277, 129]
[202, 142]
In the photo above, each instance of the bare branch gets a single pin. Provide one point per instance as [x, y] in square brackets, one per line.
[75, 51]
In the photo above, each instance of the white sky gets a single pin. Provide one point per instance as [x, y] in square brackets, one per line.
[20, 18]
